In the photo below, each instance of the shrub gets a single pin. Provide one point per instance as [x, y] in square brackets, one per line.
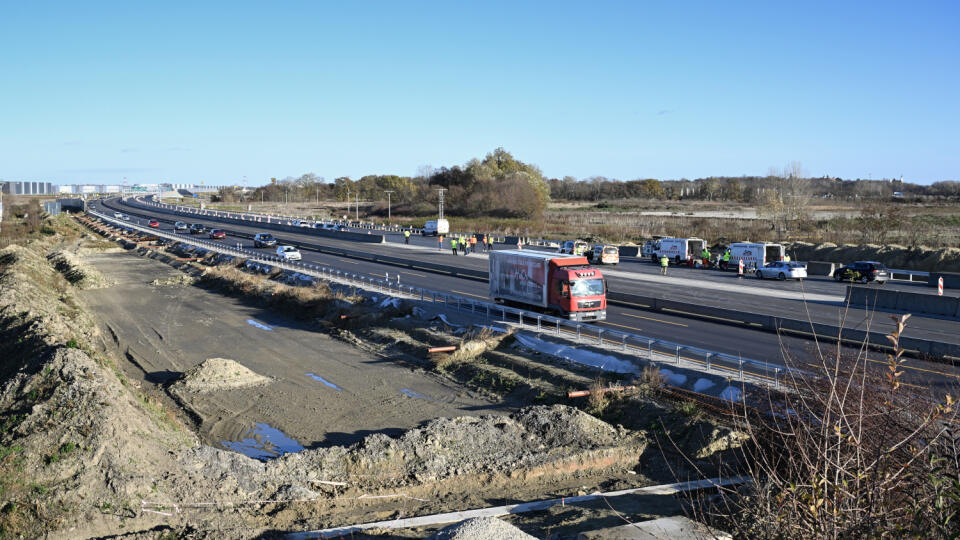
[847, 453]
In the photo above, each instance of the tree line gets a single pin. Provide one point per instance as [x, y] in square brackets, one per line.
[500, 185]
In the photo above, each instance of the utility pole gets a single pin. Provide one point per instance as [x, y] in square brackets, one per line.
[440, 201]
[388, 192]
[348, 202]
[358, 206]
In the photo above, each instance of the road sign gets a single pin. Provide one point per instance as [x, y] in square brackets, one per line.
[940, 286]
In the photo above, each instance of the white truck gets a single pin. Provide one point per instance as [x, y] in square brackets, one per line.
[677, 250]
[754, 254]
[435, 227]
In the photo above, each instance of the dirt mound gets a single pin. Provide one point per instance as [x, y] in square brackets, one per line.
[483, 528]
[77, 272]
[215, 374]
[534, 442]
[907, 258]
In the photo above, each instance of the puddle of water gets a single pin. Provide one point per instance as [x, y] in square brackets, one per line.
[261, 326]
[324, 381]
[410, 393]
[263, 442]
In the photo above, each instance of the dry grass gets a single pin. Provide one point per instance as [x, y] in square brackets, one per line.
[847, 453]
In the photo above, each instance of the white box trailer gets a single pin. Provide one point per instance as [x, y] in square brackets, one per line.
[520, 276]
[678, 250]
[755, 254]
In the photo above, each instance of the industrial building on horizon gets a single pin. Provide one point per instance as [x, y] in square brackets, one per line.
[17, 187]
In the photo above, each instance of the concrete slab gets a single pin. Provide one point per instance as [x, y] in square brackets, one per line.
[677, 527]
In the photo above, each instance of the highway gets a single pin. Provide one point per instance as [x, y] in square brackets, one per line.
[718, 336]
[819, 299]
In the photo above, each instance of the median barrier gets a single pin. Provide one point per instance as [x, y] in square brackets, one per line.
[903, 301]
[951, 280]
[820, 268]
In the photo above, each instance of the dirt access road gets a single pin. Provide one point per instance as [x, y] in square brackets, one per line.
[323, 392]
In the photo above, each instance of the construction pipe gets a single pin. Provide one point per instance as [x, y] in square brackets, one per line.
[442, 349]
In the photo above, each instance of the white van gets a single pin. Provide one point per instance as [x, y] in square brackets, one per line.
[435, 227]
[754, 254]
[678, 250]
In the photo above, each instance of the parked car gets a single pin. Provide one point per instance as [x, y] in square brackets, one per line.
[125, 217]
[289, 253]
[601, 254]
[863, 271]
[197, 228]
[218, 234]
[782, 270]
[261, 240]
[118, 215]
[154, 224]
[180, 226]
[571, 247]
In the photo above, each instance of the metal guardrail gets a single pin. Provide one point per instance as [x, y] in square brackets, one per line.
[662, 352]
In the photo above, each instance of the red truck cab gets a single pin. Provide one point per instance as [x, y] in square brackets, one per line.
[577, 289]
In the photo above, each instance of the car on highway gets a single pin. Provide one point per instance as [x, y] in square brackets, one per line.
[154, 224]
[197, 228]
[289, 253]
[261, 240]
[180, 226]
[298, 223]
[218, 234]
[118, 215]
[863, 271]
[782, 270]
[125, 217]
[601, 254]
[571, 247]
[329, 226]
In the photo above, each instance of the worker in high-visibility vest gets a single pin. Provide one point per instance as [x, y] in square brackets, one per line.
[726, 259]
[440, 242]
[664, 263]
[786, 258]
[406, 236]
[705, 255]
[453, 244]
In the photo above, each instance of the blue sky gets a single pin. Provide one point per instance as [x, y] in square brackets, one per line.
[204, 91]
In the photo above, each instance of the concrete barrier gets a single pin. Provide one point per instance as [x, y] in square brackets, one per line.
[903, 301]
[951, 280]
[821, 268]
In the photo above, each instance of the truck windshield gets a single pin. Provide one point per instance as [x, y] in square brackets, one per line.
[586, 287]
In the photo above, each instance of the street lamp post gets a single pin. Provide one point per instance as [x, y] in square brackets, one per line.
[388, 192]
